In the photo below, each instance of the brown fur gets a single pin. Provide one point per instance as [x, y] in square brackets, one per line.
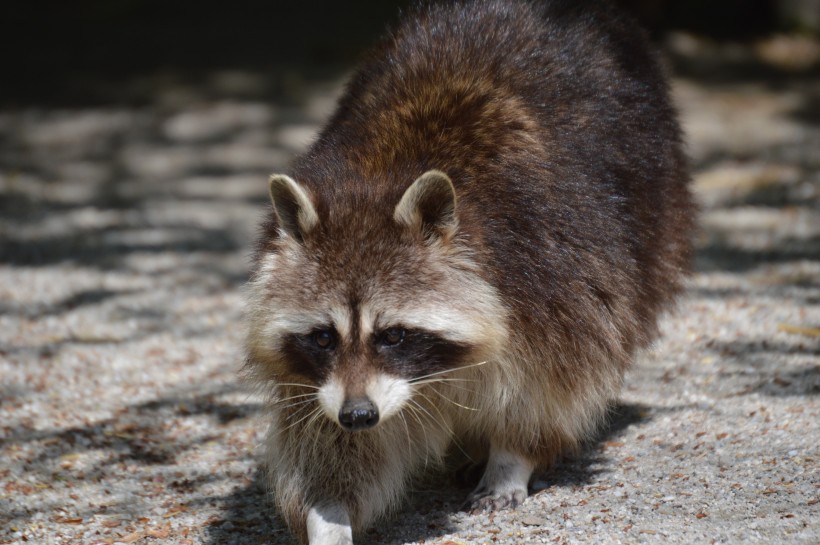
[572, 231]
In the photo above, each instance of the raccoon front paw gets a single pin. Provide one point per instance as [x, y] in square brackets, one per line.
[329, 524]
[484, 500]
[504, 483]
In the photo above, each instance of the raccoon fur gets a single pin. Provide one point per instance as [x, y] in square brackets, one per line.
[471, 253]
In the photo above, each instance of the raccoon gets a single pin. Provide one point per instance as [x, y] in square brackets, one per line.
[470, 254]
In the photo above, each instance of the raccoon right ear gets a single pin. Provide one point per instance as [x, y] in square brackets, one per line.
[292, 205]
[429, 202]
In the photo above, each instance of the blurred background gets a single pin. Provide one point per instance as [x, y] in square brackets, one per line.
[73, 53]
[104, 103]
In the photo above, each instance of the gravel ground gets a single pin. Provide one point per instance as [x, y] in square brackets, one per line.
[124, 241]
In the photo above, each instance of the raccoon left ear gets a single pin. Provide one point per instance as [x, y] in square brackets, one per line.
[292, 205]
[429, 202]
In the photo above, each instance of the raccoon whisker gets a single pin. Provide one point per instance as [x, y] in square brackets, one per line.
[421, 411]
[438, 380]
[301, 395]
[316, 415]
[311, 395]
[417, 415]
[298, 385]
[295, 413]
[297, 403]
[406, 430]
[312, 413]
[454, 379]
[445, 398]
[417, 379]
[441, 416]
[442, 379]
[443, 423]
[298, 416]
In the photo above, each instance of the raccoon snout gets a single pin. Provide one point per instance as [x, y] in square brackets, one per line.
[358, 414]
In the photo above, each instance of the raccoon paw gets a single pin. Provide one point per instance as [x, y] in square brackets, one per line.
[484, 500]
[329, 524]
[504, 483]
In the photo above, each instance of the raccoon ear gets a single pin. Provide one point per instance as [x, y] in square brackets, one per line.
[429, 202]
[293, 207]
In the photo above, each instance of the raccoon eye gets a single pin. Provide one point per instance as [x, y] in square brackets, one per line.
[392, 336]
[324, 339]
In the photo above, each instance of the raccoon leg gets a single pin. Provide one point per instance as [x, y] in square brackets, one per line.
[329, 524]
[504, 483]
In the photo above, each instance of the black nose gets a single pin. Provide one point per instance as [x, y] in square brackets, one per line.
[358, 414]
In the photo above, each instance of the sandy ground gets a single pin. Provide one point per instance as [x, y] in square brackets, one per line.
[124, 242]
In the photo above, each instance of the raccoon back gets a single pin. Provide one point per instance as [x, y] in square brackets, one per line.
[555, 126]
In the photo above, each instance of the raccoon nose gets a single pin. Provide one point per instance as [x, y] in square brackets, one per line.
[358, 414]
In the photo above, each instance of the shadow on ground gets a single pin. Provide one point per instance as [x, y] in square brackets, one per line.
[144, 435]
[429, 507]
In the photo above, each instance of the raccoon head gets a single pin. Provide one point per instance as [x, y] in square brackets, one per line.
[362, 303]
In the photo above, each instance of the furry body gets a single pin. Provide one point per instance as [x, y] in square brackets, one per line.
[497, 300]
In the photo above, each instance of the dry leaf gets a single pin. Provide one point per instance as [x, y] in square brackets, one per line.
[68, 520]
[163, 533]
[177, 509]
[131, 538]
[799, 330]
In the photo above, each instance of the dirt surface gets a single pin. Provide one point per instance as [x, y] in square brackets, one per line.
[124, 243]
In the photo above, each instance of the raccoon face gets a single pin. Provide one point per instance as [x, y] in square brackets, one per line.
[370, 378]
[366, 308]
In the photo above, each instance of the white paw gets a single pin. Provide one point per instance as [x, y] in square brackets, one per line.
[504, 483]
[483, 499]
[328, 524]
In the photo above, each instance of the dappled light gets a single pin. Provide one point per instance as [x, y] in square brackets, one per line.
[126, 229]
